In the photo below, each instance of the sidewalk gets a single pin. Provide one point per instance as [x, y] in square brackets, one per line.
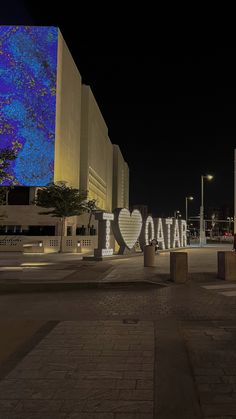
[153, 352]
[84, 370]
[70, 272]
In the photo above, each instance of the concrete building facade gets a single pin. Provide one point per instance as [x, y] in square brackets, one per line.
[68, 118]
[62, 133]
[120, 197]
[96, 169]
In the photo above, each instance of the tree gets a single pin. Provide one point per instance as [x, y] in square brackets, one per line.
[91, 208]
[63, 202]
[6, 156]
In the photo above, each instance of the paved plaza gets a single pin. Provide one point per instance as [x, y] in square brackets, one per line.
[136, 347]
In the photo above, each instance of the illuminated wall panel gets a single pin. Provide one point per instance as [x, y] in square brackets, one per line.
[28, 69]
[120, 194]
[96, 151]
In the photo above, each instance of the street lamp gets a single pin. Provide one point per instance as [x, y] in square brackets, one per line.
[202, 226]
[177, 214]
[190, 198]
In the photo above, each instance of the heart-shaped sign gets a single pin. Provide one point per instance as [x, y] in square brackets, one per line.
[129, 226]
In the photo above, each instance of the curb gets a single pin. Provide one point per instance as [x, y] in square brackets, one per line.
[71, 286]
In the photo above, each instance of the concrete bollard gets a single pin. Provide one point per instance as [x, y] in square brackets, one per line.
[149, 255]
[179, 266]
[226, 265]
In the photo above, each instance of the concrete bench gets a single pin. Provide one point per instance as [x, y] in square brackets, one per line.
[33, 247]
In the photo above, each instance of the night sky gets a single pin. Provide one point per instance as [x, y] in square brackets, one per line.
[170, 107]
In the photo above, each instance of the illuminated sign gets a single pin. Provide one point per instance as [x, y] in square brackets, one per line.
[160, 234]
[147, 233]
[128, 228]
[104, 229]
[28, 72]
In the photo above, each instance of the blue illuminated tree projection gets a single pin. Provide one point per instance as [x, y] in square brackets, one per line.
[28, 68]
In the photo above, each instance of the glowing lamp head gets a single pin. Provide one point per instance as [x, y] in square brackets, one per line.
[209, 177]
[190, 198]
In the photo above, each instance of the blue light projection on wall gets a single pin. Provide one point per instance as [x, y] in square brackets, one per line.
[28, 64]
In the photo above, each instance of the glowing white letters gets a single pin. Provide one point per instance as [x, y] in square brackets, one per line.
[169, 222]
[183, 233]
[149, 222]
[104, 232]
[128, 228]
[160, 234]
[176, 238]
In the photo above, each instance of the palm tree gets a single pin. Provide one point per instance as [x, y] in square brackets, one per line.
[63, 201]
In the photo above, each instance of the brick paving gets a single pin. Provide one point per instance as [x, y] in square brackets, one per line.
[84, 369]
[64, 376]
[212, 350]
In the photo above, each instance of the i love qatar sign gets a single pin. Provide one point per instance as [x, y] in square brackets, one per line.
[130, 228]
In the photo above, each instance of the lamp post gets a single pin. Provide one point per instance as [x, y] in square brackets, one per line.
[177, 214]
[190, 198]
[202, 226]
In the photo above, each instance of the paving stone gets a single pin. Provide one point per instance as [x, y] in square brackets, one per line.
[224, 409]
[229, 379]
[33, 415]
[144, 384]
[206, 321]
[119, 406]
[91, 416]
[134, 416]
[42, 406]
[64, 374]
[136, 394]
[6, 405]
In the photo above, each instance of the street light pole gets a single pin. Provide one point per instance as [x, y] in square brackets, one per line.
[186, 207]
[202, 230]
[202, 226]
[186, 210]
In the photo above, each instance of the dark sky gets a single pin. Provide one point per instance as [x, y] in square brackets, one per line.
[169, 106]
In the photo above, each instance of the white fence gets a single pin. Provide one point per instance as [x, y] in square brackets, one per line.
[49, 244]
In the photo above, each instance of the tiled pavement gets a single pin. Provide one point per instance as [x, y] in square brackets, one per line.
[212, 351]
[93, 369]
[189, 360]
[227, 289]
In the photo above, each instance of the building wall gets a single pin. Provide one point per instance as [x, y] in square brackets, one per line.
[235, 191]
[96, 153]
[126, 185]
[40, 105]
[68, 118]
[64, 135]
[28, 67]
[120, 180]
[29, 215]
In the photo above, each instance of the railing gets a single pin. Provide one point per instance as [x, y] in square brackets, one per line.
[50, 244]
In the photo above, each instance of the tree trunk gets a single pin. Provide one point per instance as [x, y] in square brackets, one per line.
[90, 217]
[62, 232]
